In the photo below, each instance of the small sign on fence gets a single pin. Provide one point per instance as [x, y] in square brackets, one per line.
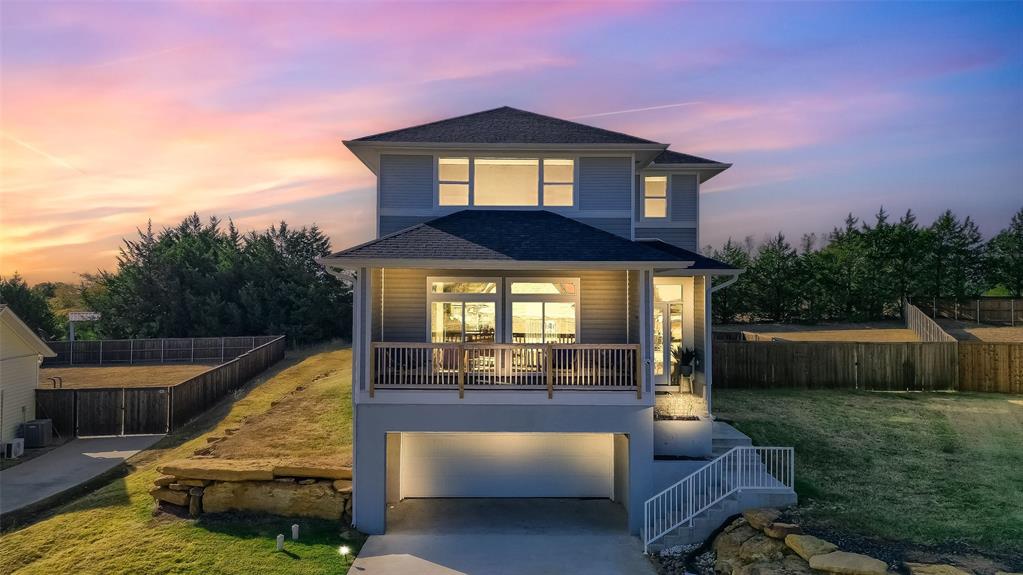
[83, 316]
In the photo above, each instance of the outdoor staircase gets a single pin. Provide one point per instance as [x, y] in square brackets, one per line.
[726, 437]
[744, 477]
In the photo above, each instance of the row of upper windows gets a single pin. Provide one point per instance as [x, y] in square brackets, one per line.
[514, 182]
[506, 182]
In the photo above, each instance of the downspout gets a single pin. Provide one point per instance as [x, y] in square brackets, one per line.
[709, 319]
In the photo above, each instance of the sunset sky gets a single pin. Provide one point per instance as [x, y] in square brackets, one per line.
[117, 113]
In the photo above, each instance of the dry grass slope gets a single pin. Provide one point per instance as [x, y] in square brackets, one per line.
[121, 376]
[114, 530]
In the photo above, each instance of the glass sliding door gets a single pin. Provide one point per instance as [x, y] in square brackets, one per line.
[667, 334]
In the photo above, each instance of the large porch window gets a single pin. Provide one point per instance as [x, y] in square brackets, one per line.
[463, 310]
[544, 311]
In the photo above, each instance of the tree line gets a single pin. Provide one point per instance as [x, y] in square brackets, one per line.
[862, 270]
[202, 279]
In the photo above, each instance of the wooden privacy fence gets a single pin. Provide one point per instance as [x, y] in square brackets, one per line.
[964, 366]
[924, 327]
[145, 410]
[162, 350]
[995, 310]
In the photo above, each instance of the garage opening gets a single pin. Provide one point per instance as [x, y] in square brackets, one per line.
[506, 465]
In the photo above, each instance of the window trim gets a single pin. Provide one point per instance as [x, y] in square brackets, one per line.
[540, 205]
[667, 199]
[510, 298]
[495, 297]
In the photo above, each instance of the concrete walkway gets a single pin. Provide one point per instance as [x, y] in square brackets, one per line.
[66, 467]
[503, 537]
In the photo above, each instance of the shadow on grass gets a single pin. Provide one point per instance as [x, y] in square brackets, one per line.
[316, 536]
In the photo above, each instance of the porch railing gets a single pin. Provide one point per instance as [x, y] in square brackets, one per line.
[505, 366]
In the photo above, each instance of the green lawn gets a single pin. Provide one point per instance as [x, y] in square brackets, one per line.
[929, 468]
[113, 530]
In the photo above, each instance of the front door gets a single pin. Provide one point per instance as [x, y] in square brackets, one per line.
[667, 324]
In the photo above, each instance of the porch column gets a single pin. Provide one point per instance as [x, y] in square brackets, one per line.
[646, 297]
[708, 338]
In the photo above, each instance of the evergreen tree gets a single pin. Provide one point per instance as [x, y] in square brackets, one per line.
[1005, 257]
[774, 280]
[30, 305]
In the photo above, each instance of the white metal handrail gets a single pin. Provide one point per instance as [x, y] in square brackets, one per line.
[744, 467]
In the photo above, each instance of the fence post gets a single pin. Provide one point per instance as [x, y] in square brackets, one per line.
[253, 344]
[1012, 312]
[162, 342]
[71, 352]
[131, 351]
[191, 355]
[978, 310]
[101, 352]
[123, 409]
[221, 350]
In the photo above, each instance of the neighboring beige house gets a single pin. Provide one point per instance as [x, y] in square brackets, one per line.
[21, 352]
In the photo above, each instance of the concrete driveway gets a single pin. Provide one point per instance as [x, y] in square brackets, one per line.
[66, 467]
[503, 537]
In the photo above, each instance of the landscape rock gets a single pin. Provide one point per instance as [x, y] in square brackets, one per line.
[195, 503]
[312, 470]
[846, 563]
[761, 548]
[790, 565]
[306, 481]
[178, 487]
[168, 496]
[761, 518]
[807, 546]
[220, 469]
[343, 485]
[165, 480]
[931, 569]
[284, 479]
[286, 499]
[782, 530]
[727, 544]
[194, 482]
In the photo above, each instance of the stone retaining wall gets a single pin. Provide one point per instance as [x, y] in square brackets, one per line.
[262, 486]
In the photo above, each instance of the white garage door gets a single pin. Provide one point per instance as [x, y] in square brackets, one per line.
[506, 464]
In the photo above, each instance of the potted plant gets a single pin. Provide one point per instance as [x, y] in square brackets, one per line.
[682, 358]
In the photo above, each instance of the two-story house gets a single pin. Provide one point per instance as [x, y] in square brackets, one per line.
[519, 316]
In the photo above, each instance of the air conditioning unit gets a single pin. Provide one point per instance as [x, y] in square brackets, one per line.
[14, 448]
[37, 433]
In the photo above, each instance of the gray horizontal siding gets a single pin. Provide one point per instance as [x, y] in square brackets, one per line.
[682, 237]
[684, 189]
[617, 226]
[406, 181]
[391, 224]
[603, 303]
[604, 183]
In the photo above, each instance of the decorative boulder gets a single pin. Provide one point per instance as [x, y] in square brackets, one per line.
[219, 469]
[312, 470]
[168, 496]
[807, 546]
[287, 499]
[343, 485]
[761, 518]
[846, 563]
[929, 569]
[782, 530]
[165, 480]
[761, 548]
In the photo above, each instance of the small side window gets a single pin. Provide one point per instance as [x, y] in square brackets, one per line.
[655, 197]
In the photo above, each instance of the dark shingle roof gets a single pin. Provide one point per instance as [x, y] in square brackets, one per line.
[505, 125]
[670, 157]
[700, 262]
[512, 235]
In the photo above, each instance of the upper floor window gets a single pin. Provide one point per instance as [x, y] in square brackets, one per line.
[508, 182]
[453, 181]
[655, 197]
